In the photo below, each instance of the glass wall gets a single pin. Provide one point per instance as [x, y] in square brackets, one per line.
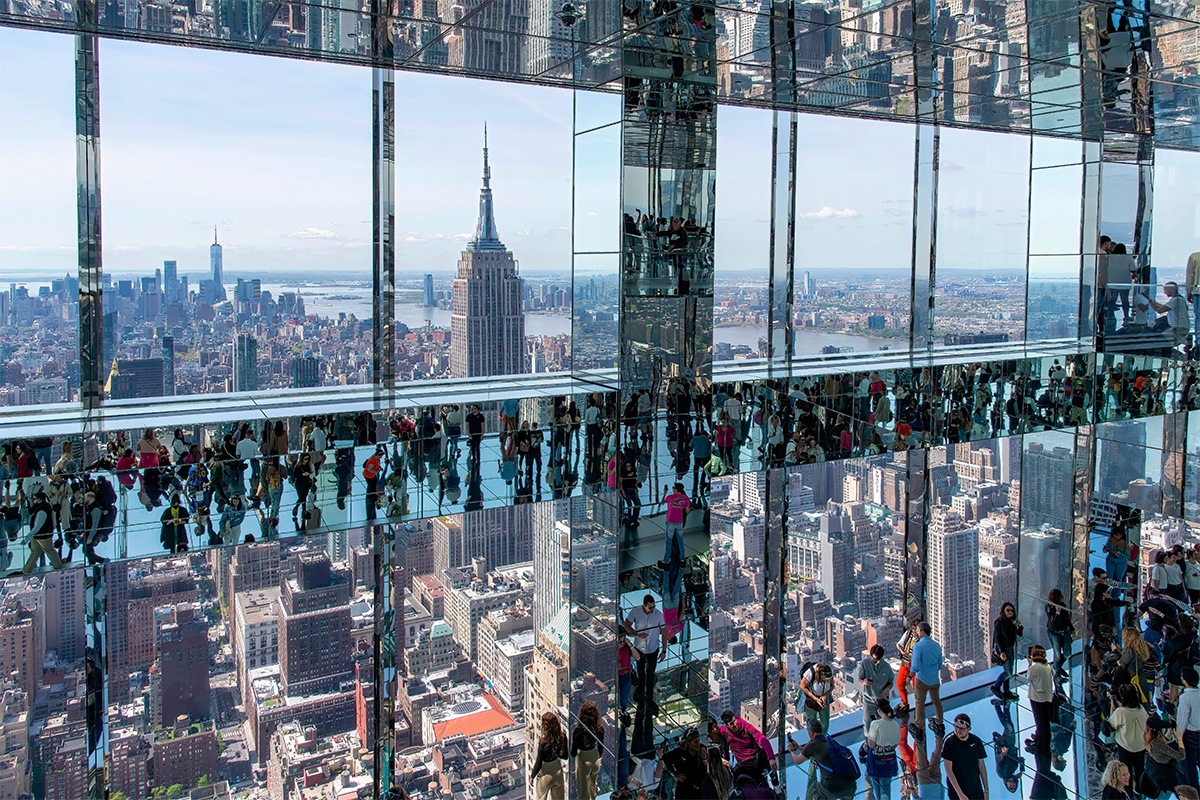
[39, 263]
[854, 235]
[741, 257]
[484, 250]
[982, 236]
[249, 270]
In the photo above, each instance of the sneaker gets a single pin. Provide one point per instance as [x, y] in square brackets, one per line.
[862, 752]
[902, 709]
[996, 691]
[1011, 696]
[938, 727]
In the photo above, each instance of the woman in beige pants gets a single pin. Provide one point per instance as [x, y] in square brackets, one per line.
[547, 773]
[585, 748]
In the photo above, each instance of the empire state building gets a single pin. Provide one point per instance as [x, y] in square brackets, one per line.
[487, 326]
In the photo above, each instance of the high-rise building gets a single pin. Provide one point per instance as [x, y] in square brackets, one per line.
[167, 349]
[314, 626]
[245, 363]
[216, 263]
[171, 280]
[487, 326]
[952, 582]
[306, 371]
[501, 536]
[132, 378]
[1047, 486]
[179, 676]
[427, 285]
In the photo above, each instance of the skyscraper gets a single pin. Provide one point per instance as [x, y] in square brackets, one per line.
[167, 348]
[487, 326]
[245, 363]
[953, 584]
[179, 676]
[306, 371]
[216, 262]
[428, 286]
[314, 626]
[171, 280]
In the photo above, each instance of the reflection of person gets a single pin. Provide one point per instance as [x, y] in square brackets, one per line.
[646, 623]
[1041, 696]
[1175, 326]
[1059, 628]
[749, 747]
[1193, 295]
[1187, 721]
[688, 764]
[585, 747]
[965, 759]
[547, 772]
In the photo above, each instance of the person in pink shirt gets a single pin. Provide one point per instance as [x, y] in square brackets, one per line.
[751, 750]
[677, 503]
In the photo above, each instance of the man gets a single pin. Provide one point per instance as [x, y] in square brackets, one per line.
[41, 526]
[677, 507]
[474, 434]
[927, 667]
[964, 757]
[875, 676]
[750, 748]
[646, 623]
[1176, 328]
[823, 783]
[1187, 720]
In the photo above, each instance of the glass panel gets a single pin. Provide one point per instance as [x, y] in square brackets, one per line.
[983, 218]
[252, 666]
[39, 264]
[854, 234]
[740, 294]
[488, 232]
[250, 269]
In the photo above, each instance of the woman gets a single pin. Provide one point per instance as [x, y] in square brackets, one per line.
[724, 435]
[148, 449]
[1116, 553]
[302, 478]
[179, 445]
[1116, 782]
[775, 441]
[1178, 651]
[1041, 697]
[278, 440]
[1156, 582]
[816, 687]
[1164, 759]
[1174, 573]
[274, 485]
[883, 737]
[1135, 653]
[1128, 721]
[66, 462]
[1005, 632]
[1191, 575]
[585, 749]
[547, 774]
[1059, 628]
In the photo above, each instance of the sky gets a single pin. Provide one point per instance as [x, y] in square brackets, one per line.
[277, 153]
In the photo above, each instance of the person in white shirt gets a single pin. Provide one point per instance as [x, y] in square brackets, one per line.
[1187, 721]
[247, 450]
[645, 624]
[1177, 314]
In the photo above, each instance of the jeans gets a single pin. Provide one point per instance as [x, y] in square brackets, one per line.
[674, 536]
[625, 689]
[1191, 770]
[1061, 642]
[881, 788]
[647, 665]
[1007, 668]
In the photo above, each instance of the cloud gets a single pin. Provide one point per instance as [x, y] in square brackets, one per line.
[29, 248]
[312, 233]
[829, 212]
[522, 233]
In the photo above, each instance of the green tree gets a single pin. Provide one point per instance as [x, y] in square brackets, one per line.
[174, 791]
[118, 795]
[158, 793]
[204, 781]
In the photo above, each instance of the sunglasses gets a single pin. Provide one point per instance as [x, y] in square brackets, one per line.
[962, 725]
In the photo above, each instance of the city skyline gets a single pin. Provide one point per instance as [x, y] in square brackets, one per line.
[845, 219]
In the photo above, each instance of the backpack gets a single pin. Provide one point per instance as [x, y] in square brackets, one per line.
[842, 762]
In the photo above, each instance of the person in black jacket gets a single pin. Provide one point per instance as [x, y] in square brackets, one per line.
[41, 525]
[173, 535]
[1059, 629]
[1005, 632]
